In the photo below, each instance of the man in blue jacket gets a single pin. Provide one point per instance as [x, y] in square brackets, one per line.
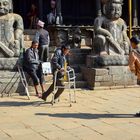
[33, 67]
[58, 61]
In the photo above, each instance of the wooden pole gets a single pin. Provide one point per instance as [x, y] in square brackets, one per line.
[59, 19]
[135, 14]
[130, 18]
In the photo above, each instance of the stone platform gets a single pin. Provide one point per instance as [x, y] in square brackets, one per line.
[109, 77]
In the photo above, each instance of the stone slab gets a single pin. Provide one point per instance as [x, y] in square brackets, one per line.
[10, 82]
[8, 63]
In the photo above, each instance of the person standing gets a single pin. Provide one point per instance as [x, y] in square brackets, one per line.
[33, 16]
[33, 67]
[42, 36]
[134, 60]
[58, 62]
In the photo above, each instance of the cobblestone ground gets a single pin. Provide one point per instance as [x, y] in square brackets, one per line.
[97, 115]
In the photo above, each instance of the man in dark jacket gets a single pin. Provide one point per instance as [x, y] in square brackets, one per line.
[58, 62]
[42, 36]
[32, 66]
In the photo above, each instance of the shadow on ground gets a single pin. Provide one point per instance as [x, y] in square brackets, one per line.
[17, 104]
[87, 115]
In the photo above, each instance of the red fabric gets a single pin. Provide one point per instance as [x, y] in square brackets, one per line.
[134, 63]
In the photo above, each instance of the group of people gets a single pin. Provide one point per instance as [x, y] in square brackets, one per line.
[39, 53]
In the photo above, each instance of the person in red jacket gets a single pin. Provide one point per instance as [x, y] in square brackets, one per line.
[134, 60]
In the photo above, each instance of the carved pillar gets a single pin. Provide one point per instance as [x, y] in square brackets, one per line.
[130, 18]
[135, 14]
[59, 19]
[98, 7]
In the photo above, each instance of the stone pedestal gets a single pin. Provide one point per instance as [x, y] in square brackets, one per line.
[10, 83]
[109, 77]
[9, 77]
[94, 61]
[8, 63]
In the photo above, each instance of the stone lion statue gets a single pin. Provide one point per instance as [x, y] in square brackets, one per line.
[11, 30]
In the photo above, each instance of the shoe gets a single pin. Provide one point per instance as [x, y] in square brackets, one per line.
[38, 94]
[56, 100]
[137, 114]
[43, 98]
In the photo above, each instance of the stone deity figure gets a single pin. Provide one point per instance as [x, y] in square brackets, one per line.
[11, 31]
[111, 31]
[51, 17]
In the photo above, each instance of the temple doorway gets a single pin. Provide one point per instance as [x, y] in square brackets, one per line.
[74, 12]
[23, 7]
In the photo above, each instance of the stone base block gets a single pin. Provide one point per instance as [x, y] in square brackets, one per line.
[8, 63]
[111, 76]
[10, 83]
[107, 60]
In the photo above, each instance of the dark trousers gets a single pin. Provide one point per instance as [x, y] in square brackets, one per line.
[51, 88]
[43, 53]
[36, 75]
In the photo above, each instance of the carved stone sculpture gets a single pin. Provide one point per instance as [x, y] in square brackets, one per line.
[11, 31]
[108, 65]
[111, 31]
[51, 17]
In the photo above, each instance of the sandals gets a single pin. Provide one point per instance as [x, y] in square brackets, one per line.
[38, 95]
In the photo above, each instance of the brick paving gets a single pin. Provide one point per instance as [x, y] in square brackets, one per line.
[97, 115]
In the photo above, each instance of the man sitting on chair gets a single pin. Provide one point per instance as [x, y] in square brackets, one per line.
[58, 61]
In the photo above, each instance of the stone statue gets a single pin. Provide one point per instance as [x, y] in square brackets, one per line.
[51, 17]
[111, 31]
[11, 31]
[76, 38]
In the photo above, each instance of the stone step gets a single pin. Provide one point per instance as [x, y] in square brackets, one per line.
[49, 78]
[78, 56]
[77, 67]
[27, 44]
[86, 50]
[79, 84]
[79, 77]
[29, 37]
[77, 59]
[30, 31]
